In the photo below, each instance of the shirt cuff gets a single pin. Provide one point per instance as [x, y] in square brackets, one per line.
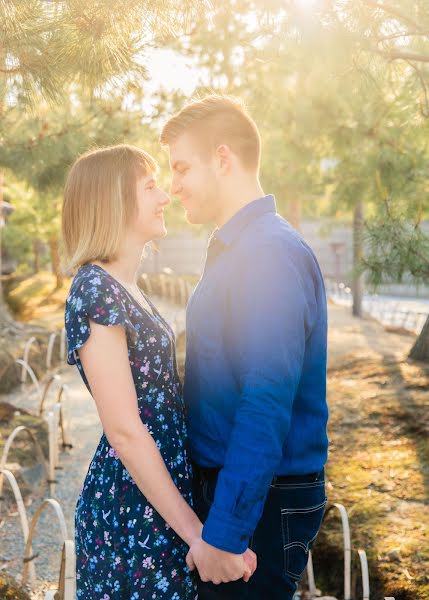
[226, 532]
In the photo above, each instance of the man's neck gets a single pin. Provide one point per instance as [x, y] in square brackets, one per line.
[233, 202]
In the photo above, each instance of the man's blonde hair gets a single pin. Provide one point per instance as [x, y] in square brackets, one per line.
[216, 120]
[100, 201]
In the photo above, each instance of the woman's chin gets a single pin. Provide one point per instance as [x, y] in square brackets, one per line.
[160, 233]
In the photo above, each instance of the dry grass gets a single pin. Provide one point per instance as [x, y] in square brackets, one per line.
[37, 299]
[379, 469]
[10, 590]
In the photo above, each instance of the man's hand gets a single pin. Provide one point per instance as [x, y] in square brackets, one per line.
[219, 566]
[251, 560]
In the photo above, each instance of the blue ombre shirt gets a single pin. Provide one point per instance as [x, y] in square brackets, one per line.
[255, 379]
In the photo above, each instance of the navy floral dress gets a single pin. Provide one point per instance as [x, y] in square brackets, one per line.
[124, 549]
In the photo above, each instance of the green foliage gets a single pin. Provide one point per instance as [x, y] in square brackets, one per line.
[338, 88]
[339, 91]
[396, 248]
[48, 45]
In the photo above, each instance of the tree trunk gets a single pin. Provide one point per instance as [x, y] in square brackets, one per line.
[294, 212]
[6, 319]
[420, 350]
[1, 226]
[36, 254]
[55, 256]
[357, 283]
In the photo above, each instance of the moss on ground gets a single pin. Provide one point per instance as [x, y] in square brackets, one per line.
[39, 307]
[36, 298]
[10, 590]
[22, 450]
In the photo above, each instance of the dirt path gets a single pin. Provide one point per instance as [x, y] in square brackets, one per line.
[348, 334]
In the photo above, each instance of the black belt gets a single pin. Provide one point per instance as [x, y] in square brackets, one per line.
[212, 472]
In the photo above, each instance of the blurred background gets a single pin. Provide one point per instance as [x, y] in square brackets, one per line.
[339, 90]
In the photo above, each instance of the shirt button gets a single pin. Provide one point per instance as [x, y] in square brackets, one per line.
[243, 537]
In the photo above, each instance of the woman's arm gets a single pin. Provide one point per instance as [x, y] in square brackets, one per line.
[104, 358]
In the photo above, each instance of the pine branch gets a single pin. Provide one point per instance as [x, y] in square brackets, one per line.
[399, 55]
[394, 12]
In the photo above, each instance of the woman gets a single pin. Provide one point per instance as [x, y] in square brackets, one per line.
[133, 520]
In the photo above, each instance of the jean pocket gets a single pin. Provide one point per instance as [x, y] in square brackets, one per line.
[208, 492]
[300, 526]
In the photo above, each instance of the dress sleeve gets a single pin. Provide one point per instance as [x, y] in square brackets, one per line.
[97, 297]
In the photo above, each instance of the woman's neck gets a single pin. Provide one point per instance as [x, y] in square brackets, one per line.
[125, 267]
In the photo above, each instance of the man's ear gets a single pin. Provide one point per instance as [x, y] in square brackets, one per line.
[223, 157]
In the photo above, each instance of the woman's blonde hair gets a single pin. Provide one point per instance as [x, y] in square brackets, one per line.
[100, 202]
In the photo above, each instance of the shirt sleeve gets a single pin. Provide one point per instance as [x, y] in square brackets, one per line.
[97, 297]
[268, 322]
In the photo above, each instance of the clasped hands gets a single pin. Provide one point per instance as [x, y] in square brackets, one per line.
[219, 566]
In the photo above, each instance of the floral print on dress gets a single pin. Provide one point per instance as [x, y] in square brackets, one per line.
[124, 548]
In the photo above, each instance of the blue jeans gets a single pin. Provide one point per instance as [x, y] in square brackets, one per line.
[291, 519]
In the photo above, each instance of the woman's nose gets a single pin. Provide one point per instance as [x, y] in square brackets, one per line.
[165, 199]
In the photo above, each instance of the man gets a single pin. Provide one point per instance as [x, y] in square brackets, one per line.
[255, 378]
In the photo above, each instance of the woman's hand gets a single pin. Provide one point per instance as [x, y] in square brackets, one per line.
[219, 566]
[251, 560]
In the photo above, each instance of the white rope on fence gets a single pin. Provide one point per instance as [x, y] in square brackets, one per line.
[32, 374]
[365, 574]
[63, 394]
[182, 292]
[347, 548]
[68, 572]
[52, 435]
[50, 349]
[23, 518]
[7, 447]
[67, 566]
[189, 290]
[27, 347]
[63, 344]
[56, 409]
[53, 378]
[147, 285]
[35, 519]
[310, 576]
[387, 311]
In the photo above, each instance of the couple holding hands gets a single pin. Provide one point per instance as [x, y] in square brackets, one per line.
[215, 490]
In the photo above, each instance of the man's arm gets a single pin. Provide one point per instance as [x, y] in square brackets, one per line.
[271, 302]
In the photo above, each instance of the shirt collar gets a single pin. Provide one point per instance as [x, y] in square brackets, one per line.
[229, 232]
